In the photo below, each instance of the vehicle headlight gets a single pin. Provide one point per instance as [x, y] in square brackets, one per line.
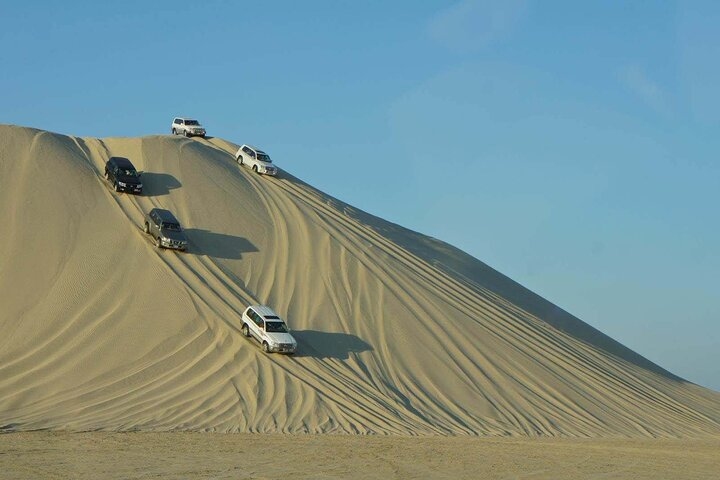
[122, 184]
[139, 185]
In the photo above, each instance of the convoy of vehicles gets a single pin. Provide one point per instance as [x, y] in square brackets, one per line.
[256, 159]
[258, 321]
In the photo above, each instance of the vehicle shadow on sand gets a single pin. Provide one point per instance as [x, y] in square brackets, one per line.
[156, 184]
[312, 343]
[218, 245]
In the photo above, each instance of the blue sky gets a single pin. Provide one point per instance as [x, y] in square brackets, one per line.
[571, 145]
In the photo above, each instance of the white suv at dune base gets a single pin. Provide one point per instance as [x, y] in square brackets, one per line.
[256, 159]
[265, 326]
[188, 127]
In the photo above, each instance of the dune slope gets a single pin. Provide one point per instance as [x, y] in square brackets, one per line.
[399, 333]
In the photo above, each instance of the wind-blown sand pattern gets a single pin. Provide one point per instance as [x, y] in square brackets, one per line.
[398, 333]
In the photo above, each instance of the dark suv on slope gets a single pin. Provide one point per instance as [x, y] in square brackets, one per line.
[121, 174]
[165, 230]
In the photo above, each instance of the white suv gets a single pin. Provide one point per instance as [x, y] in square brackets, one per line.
[263, 324]
[257, 159]
[187, 127]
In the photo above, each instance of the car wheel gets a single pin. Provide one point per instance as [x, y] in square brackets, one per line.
[107, 175]
[187, 133]
[266, 347]
[147, 228]
[174, 132]
[240, 160]
[245, 330]
[116, 187]
[255, 169]
[158, 243]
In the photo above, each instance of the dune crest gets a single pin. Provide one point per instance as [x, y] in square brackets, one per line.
[398, 333]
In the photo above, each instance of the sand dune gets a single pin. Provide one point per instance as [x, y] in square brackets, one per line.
[398, 333]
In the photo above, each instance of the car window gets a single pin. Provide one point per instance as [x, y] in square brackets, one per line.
[171, 226]
[276, 327]
[246, 150]
[176, 121]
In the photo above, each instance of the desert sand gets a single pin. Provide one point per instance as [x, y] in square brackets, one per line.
[179, 456]
[399, 334]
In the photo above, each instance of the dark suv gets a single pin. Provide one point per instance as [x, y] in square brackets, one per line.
[165, 230]
[121, 174]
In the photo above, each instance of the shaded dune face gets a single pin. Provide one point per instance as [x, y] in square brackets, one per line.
[398, 333]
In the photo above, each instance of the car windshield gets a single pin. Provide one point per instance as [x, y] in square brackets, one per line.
[264, 157]
[275, 327]
[191, 122]
[128, 172]
[171, 226]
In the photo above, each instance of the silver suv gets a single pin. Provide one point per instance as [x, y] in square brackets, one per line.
[265, 326]
[165, 230]
[188, 127]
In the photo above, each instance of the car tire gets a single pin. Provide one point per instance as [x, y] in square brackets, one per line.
[107, 175]
[116, 187]
[158, 243]
[174, 132]
[240, 160]
[187, 133]
[266, 347]
[147, 228]
[245, 330]
[255, 169]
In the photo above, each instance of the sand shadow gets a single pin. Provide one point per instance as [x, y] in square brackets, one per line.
[312, 343]
[218, 245]
[156, 184]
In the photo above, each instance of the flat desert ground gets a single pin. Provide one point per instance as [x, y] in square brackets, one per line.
[415, 359]
[270, 456]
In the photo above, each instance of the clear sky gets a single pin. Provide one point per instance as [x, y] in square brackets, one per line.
[571, 145]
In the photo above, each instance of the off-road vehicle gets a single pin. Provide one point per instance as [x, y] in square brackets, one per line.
[256, 159]
[165, 230]
[121, 174]
[265, 326]
[188, 127]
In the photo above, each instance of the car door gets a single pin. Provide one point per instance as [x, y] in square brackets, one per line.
[253, 326]
[252, 158]
[154, 225]
[244, 154]
[110, 173]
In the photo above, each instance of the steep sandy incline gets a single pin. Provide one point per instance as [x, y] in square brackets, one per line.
[399, 333]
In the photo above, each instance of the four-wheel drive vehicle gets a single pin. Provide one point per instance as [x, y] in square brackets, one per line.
[257, 159]
[121, 174]
[188, 127]
[164, 228]
[263, 324]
